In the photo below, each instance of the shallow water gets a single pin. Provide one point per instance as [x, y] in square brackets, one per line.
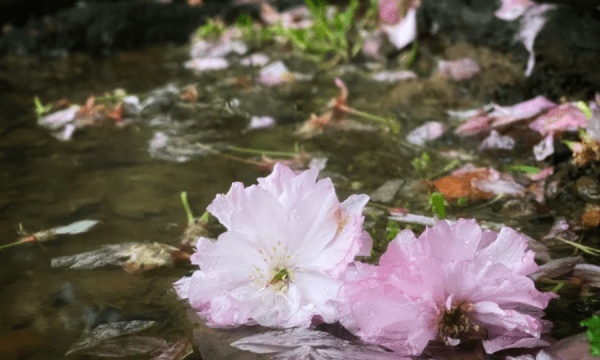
[108, 174]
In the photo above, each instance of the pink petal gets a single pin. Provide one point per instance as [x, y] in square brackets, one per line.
[261, 122]
[393, 76]
[512, 9]
[461, 69]
[206, 64]
[497, 141]
[426, 132]
[544, 148]
[405, 32]
[388, 11]
[565, 117]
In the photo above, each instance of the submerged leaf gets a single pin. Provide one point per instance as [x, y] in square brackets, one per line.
[109, 331]
[127, 346]
[305, 344]
[176, 351]
[133, 257]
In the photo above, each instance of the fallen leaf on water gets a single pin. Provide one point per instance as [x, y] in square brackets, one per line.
[305, 344]
[126, 346]
[473, 183]
[591, 217]
[109, 331]
[176, 351]
[133, 257]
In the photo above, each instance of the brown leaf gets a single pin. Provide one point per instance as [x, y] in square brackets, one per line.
[126, 346]
[454, 187]
[176, 351]
[591, 217]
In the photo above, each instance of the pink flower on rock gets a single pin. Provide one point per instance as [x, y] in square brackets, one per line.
[288, 242]
[454, 283]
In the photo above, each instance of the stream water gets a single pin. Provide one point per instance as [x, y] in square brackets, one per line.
[110, 174]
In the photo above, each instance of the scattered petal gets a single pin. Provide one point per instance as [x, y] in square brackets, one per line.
[257, 59]
[405, 32]
[174, 148]
[458, 70]
[206, 64]
[497, 141]
[274, 74]
[512, 9]
[76, 227]
[565, 117]
[532, 21]
[59, 119]
[485, 119]
[393, 76]
[544, 148]
[413, 219]
[426, 132]
[260, 122]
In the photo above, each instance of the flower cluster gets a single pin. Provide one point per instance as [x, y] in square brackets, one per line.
[288, 256]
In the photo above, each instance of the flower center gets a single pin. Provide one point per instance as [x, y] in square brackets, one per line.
[454, 326]
[281, 279]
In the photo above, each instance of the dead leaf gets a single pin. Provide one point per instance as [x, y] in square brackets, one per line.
[591, 217]
[126, 346]
[305, 344]
[109, 331]
[176, 351]
[133, 257]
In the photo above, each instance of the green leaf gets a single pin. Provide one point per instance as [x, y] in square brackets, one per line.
[437, 203]
[391, 230]
[524, 168]
[593, 333]
[585, 109]
[41, 109]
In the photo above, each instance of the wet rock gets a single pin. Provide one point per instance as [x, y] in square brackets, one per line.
[515, 208]
[588, 188]
[100, 28]
[557, 71]
[386, 192]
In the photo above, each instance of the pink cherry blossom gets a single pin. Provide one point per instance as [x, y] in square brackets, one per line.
[288, 242]
[453, 283]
